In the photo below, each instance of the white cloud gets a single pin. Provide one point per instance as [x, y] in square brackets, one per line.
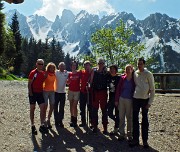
[51, 8]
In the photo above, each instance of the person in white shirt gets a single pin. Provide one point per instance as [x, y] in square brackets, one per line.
[60, 94]
[142, 99]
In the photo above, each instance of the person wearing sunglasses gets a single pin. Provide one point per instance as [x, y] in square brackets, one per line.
[35, 91]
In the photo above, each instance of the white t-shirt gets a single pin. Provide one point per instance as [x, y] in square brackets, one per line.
[60, 84]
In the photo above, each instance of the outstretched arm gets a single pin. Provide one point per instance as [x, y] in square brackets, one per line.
[14, 1]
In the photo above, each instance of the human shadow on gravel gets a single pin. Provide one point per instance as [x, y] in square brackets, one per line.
[95, 142]
[100, 142]
[35, 143]
[77, 139]
[69, 141]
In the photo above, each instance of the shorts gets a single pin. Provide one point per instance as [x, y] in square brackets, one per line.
[73, 95]
[37, 97]
[49, 95]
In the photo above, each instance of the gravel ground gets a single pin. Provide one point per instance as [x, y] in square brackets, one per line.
[15, 132]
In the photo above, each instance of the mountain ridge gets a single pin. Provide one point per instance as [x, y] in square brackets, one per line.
[159, 32]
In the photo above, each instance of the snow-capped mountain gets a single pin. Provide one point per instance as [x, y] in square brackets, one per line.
[159, 32]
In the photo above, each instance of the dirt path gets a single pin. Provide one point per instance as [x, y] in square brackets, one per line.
[15, 132]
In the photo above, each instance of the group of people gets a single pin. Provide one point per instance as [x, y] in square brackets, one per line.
[118, 96]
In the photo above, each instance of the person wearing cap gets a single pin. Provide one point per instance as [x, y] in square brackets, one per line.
[85, 78]
[99, 82]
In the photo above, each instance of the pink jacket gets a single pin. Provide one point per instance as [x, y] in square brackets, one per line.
[120, 87]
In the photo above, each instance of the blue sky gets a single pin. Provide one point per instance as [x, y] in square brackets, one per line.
[140, 8]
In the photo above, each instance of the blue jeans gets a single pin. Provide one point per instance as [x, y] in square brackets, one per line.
[137, 104]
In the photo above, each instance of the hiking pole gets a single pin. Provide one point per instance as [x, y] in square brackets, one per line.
[87, 110]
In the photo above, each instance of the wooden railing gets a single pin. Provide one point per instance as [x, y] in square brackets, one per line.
[167, 82]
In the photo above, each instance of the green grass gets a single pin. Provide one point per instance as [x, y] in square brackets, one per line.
[11, 77]
[5, 76]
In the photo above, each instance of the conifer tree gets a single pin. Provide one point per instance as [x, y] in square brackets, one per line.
[60, 52]
[25, 51]
[10, 50]
[17, 35]
[2, 29]
[67, 61]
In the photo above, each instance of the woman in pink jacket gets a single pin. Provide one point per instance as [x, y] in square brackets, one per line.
[123, 99]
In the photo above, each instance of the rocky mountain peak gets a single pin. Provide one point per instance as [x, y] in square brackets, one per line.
[67, 17]
[158, 32]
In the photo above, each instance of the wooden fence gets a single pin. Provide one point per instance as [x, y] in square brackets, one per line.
[167, 82]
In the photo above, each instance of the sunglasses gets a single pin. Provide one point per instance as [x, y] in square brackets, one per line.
[40, 64]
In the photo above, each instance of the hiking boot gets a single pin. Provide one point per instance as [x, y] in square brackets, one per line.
[145, 144]
[73, 125]
[73, 122]
[129, 139]
[61, 124]
[56, 123]
[134, 143]
[49, 126]
[105, 129]
[94, 130]
[121, 138]
[105, 132]
[82, 125]
[43, 129]
[114, 132]
[91, 127]
[34, 131]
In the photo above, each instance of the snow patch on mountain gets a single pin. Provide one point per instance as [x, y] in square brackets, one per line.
[80, 16]
[150, 43]
[130, 22]
[69, 48]
[113, 19]
[175, 44]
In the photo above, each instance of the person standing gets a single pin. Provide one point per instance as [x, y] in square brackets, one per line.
[112, 83]
[85, 78]
[35, 91]
[123, 100]
[48, 91]
[143, 98]
[99, 81]
[60, 94]
[74, 92]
